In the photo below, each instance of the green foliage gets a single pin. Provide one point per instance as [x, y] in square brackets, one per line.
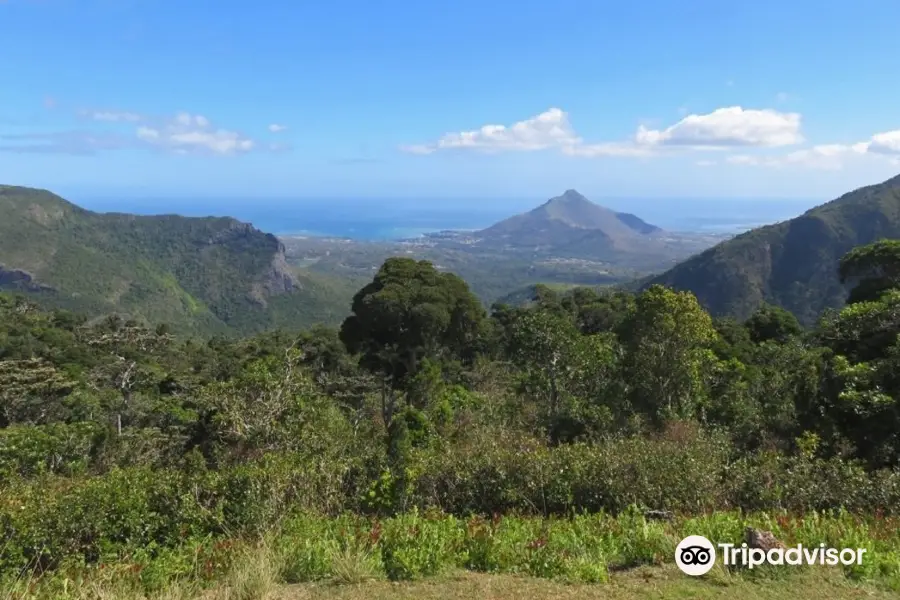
[875, 267]
[580, 549]
[667, 337]
[123, 444]
[408, 313]
[772, 323]
[56, 448]
[413, 546]
[202, 275]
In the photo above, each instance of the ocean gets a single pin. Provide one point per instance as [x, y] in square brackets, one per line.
[383, 219]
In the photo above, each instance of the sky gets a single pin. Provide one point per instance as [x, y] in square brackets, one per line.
[439, 100]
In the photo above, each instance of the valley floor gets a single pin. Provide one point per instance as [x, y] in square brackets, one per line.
[664, 583]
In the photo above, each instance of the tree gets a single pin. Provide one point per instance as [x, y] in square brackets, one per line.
[772, 323]
[571, 375]
[597, 313]
[875, 268]
[667, 338]
[262, 407]
[543, 344]
[128, 349]
[864, 376]
[30, 391]
[863, 384]
[411, 311]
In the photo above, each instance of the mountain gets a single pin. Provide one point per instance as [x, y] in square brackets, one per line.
[566, 219]
[792, 264]
[205, 275]
[571, 226]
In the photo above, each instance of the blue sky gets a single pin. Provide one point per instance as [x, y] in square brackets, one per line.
[340, 98]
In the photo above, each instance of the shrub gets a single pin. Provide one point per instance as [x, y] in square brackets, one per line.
[57, 448]
[414, 546]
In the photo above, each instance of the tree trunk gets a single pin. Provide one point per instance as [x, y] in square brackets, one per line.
[387, 403]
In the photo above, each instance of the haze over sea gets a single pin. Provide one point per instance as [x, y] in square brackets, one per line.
[385, 219]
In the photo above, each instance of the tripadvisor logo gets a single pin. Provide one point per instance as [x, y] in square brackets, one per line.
[696, 555]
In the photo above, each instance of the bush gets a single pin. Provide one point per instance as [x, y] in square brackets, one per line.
[414, 546]
[508, 473]
[57, 448]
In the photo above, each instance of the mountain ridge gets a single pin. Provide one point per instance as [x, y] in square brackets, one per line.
[792, 264]
[210, 274]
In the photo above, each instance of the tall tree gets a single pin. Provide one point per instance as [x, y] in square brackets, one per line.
[128, 351]
[409, 312]
[864, 385]
[668, 337]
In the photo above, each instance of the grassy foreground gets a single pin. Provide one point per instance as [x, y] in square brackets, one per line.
[666, 583]
[436, 555]
[645, 582]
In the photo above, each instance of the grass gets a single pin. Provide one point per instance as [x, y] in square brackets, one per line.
[664, 583]
[646, 582]
[439, 556]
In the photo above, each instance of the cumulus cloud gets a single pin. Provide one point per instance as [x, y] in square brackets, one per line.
[550, 129]
[727, 127]
[884, 143]
[276, 128]
[187, 133]
[723, 128]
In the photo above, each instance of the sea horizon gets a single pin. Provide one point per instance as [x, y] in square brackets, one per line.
[392, 219]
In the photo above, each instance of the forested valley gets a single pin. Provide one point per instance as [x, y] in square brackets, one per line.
[576, 436]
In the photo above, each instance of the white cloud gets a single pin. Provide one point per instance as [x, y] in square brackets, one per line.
[722, 128]
[187, 133]
[829, 156]
[276, 128]
[550, 129]
[884, 143]
[727, 127]
[181, 133]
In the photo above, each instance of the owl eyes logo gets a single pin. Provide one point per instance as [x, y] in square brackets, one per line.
[695, 555]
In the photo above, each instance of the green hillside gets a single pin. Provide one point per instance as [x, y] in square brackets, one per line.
[206, 275]
[791, 264]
